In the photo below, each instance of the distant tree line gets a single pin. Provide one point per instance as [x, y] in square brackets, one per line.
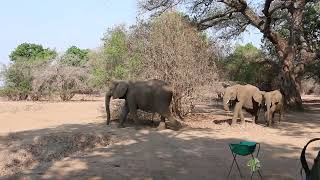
[168, 46]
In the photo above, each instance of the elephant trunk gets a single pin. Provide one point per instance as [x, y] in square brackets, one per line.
[269, 120]
[107, 105]
[225, 103]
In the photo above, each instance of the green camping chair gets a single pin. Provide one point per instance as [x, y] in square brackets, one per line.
[245, 148]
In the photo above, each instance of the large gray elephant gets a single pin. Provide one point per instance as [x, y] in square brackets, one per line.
[246, 97]
[150, 96]
[273, 104]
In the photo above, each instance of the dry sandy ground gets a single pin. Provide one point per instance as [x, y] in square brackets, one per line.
[57, 140]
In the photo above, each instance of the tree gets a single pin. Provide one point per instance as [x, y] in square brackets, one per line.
[247, 65]
[18, 77]
[75, 56]
[312, 33]
[241, 63]
[232, 17]
[29, 51]
[114, 59]
[169, 49]
[116, 50]
[98, 69]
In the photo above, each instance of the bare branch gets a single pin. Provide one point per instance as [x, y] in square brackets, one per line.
[222, 15]
[152, 5]
[267, 15]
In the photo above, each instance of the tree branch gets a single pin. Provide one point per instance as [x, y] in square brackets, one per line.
[227, 13]
[267, 15]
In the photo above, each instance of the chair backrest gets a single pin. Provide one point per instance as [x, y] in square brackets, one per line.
[314, 172]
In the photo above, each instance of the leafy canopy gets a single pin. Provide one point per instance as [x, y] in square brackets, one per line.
[29, 52]
[75, 56]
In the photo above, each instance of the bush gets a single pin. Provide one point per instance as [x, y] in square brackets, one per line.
[310, 86]
[75, 56]
[65, 80]
[170, 49]
[17, 81]
[13, 94]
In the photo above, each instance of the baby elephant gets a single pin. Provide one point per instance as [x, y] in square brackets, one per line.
[273, 103]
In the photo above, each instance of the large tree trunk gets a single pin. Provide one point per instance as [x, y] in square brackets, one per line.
[290, 83]
[289, 86]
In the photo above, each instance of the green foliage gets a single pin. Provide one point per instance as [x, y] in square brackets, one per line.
[98, 65]
[120, 72]
[312, 32]
[313, 70]
[75, 56]
[244, 65]
[312, 25]
[29, 52]
[81, 53]
[115, 44]
[18, 81]
[27, 57]
[114, 60]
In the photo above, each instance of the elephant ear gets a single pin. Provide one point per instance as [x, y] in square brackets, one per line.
[120, 90]
[258, 97]
[234, 92]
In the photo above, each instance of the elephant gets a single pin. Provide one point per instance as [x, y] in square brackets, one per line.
[151, 96]
[273, 103]
[246, 97]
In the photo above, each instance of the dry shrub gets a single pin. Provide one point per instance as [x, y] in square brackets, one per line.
[177, 53]
[20, 155]
[210, 93]
[42, 83]
[61, 79]
[310, 86]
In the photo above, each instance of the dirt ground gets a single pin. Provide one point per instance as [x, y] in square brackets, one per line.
[70, 140]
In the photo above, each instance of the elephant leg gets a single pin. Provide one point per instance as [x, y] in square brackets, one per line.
[280, 116]
[266, 118]
[273, 113]
[152, 121]
[173, 123]
[269, 118]
[236, 111]
[255, 119]
[162, 124]
[133, 110]
[241, 116]
[123, 115]
[135, 117]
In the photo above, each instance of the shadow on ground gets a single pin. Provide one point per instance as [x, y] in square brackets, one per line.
[149, 154]
[141, 152]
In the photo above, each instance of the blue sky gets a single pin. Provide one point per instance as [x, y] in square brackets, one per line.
[60, 24]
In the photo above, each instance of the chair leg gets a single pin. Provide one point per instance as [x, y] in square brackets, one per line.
[260, 174]
[252, 175]
[231, 167]
[257, 170]
[238, 169]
